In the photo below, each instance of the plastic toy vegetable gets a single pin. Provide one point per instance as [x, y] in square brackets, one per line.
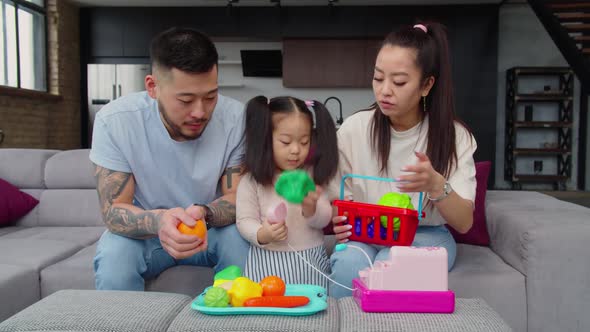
[216, 297]
[227, 275]
[277, 301]
[394, 199]
[243, 289]
[294, 185]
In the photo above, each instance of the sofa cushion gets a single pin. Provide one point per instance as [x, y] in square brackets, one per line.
[69, 207]
[511, 238]
[478, 234]
[70, 169]
[31, 218]
[470, 315]
[9, 229]
[76, 272]
[480, 273]
[19, 288]
[24, 168]
[97, 311]
[14, 203]
[82, 236]
[189, 280]
[34, 253]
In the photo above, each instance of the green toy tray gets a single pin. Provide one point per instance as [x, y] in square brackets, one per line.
[318, 298]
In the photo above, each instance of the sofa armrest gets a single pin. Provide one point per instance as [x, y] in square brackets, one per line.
[546, 240]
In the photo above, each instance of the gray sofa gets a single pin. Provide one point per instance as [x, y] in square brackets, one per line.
[536, 273]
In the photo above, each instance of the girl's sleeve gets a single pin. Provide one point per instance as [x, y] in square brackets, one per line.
[248, 216]
[323, 213]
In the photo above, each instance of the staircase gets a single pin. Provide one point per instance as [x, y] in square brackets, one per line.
[568, 24]
[575, 18]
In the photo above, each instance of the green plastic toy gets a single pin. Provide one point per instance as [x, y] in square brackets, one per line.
[398, 200]
[216, 297]
[294, 185]
[229, 273]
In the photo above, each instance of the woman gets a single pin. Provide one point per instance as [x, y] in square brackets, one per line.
[410, 134]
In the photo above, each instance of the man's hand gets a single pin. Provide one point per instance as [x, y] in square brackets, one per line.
[196, 212]
[179, 245]
[270, 233]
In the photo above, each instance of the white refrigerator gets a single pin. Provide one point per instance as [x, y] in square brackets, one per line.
[107, 82]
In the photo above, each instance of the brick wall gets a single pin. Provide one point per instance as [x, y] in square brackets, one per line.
[49, 120]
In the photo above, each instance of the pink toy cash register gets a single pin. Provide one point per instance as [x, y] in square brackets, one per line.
[412, 280]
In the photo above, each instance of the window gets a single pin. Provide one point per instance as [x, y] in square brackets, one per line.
[23, 52]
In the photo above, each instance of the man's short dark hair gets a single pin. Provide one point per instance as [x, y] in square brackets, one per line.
[185, 49]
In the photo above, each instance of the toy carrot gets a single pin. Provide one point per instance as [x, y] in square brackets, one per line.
[277, 301]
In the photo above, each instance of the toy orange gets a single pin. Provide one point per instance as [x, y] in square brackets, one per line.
[200, 229]
[272, 286]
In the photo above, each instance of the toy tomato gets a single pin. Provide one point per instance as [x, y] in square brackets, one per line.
[272, 286]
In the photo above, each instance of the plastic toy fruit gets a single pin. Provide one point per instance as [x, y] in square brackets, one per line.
[225, 285]
[398, 200]
[200, 229]
[272, 286]
[243, 289]
[229, 273]
[216, 297]
[294, 185]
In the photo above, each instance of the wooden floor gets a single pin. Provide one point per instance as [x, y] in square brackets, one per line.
[576, 197]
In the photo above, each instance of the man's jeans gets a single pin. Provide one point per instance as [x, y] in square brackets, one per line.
[122, 263]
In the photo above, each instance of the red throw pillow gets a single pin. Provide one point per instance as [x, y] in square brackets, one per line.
[14, 203]
[478, 234]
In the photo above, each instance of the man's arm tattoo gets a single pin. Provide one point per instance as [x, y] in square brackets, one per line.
[120, 220]
[110, 185]
[229, 172]
[136, 225]
[224, 213]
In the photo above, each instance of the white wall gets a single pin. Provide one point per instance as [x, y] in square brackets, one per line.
[523, 41]
[248, 87]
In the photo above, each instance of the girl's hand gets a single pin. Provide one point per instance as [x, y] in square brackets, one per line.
[310, 202]
[274, 232]
[423, 178]
[342, 231]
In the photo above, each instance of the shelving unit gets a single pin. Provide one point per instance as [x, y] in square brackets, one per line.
[560, 96]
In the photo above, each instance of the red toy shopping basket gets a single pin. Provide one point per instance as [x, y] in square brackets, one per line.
[366, 218]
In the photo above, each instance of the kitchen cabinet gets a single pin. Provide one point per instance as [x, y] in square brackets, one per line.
[315, 63]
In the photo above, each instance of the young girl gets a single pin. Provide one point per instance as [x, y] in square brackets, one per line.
[410, 134]
[279, 133]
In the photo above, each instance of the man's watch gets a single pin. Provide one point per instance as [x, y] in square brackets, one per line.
[208, 214]
[447, 190]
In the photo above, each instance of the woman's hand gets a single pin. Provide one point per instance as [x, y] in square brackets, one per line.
[342, 231]
[423, 178]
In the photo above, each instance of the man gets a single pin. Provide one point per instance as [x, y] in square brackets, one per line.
[159, 151]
